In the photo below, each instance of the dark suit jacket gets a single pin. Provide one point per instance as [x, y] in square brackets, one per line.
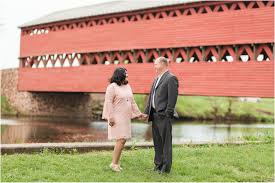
[165, 96]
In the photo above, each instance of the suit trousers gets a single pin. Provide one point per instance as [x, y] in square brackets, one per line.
[162, 138]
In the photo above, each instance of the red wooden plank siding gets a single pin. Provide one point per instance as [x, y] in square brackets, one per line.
[231, 27]
[252, 78]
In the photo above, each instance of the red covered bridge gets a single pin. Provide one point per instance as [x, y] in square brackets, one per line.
[218, 48]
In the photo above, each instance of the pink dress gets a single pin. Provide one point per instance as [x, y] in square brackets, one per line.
[120, 104]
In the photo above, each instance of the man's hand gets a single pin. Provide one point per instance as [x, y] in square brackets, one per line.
[143, 117]
[111, 121]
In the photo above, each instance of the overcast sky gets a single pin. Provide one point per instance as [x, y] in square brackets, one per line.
[15, 12]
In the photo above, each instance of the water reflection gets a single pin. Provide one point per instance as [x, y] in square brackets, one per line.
[29, 130]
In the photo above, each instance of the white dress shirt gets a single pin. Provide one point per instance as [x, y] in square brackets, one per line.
[153, 97]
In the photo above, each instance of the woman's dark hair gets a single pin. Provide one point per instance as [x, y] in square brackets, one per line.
[119, 76]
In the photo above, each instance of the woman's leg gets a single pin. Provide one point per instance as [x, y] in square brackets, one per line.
[117, 150]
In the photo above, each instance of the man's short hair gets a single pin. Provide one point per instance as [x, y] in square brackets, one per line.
[163, 60]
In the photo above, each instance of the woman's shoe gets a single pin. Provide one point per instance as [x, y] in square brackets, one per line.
[120, 167]
[114, 167]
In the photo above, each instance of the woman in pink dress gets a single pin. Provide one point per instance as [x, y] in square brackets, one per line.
[119, 108]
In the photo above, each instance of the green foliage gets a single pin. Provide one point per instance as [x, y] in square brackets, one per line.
[6, 108]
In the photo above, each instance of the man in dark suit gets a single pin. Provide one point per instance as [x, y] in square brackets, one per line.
[160, 109]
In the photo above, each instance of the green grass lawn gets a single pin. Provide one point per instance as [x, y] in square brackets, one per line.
[250, 162]
[217, 108]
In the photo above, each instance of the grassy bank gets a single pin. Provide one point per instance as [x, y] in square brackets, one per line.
[250, 162]
[202, 108]
[220, 108]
